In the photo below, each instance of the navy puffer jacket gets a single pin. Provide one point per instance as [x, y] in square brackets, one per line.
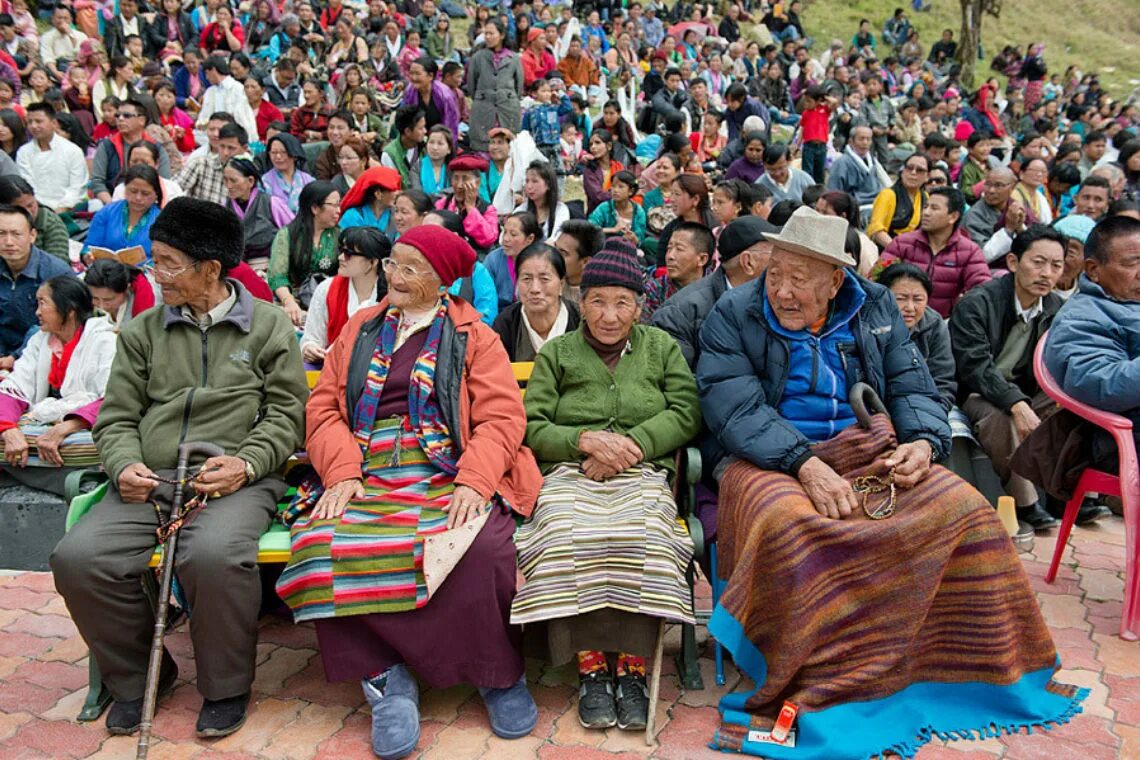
[743, 370]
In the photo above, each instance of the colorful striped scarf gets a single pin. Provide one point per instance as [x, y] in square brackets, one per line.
[424, 416]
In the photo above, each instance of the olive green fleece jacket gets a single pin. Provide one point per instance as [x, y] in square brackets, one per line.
[651, 396]
[51, 234]
[239, 384]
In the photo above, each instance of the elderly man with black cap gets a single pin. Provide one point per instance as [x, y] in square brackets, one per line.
[416, 430]
[744, 253]
[857, 572]
[217, 365]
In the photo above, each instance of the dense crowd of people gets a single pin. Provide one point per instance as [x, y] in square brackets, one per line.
[701, 225]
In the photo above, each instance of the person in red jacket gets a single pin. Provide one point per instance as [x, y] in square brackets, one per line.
[537, 60]
[950, 258]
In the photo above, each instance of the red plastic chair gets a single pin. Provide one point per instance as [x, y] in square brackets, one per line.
[1126, 486]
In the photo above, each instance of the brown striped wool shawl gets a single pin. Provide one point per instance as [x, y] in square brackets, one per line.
[855, 610]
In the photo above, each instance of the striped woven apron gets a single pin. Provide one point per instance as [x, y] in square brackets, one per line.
[371, 558]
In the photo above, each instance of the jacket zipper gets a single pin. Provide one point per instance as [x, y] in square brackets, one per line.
[814, 343]
[188, 406]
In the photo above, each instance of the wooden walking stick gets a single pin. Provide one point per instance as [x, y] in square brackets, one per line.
[166, 579]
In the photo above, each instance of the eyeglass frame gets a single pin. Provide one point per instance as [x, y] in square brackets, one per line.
[162, 275]
[390, 266]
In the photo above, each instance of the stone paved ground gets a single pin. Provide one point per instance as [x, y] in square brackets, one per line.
[43, 671]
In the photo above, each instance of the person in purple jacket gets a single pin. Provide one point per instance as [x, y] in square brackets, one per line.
[432, 95]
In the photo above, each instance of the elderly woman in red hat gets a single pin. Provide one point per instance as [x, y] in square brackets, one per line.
[404, 555]
[480, 219]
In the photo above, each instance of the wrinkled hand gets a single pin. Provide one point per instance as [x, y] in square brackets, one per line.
[911, 462]
[611, 449]
[136, 482]
[594, 469]
[830, 494]
[1025, 420]
[15, 447]
[219, 476]
[466, 504]
[336, 498]
[295, 313]
[48, 444]
[312, 353]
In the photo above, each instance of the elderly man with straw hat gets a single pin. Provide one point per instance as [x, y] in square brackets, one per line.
[857, 572]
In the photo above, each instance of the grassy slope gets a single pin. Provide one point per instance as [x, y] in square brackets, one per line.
[1096, 35]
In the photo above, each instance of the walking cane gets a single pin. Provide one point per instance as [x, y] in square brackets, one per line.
[166, 578]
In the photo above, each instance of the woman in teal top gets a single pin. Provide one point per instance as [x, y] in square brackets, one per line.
[369, 202]
[665, 169]
[126, 223]
[306, 246]
[429, 171]
[620, 215]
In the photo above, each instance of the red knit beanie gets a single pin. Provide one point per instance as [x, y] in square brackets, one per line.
[449, 255]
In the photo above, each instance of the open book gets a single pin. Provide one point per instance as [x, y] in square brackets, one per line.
[132, 256]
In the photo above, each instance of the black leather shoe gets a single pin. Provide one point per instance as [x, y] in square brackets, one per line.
[1037, 517]
[221, 717]
[123, 718]
[1091, 511]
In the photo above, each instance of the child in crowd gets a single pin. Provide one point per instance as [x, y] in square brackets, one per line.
[110, 122]
[815, 123]
[542, 119]
[570, 145]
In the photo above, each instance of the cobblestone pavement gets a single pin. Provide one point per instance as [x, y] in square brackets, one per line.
[297, 715]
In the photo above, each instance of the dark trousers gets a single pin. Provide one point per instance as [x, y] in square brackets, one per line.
[814, 160]
[994, 430]
[98, 568]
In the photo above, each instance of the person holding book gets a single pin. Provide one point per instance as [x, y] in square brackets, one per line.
[126, 224]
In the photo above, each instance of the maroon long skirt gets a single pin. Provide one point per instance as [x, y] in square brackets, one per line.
[463, 635]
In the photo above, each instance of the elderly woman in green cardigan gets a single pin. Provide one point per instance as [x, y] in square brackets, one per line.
[603, 555]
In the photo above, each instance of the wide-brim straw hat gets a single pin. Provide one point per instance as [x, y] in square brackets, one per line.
[810, 233]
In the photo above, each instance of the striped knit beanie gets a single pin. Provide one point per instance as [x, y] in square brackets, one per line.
[614, 265]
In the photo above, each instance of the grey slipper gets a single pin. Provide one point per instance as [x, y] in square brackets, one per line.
[512, 710]
[394, 699]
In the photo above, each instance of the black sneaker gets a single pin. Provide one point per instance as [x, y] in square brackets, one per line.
[632, 703]
[123, 718]
[596, 701]
[1036, 516]
[221, 717]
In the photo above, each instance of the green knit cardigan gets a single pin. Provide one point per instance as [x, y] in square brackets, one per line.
[651, 396]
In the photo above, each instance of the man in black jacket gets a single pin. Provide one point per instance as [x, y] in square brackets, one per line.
[668, 100]
[744, 254]
[125, 24]
[994, 330]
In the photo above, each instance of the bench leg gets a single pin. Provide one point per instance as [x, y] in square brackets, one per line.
[687, 667]
[97, 695]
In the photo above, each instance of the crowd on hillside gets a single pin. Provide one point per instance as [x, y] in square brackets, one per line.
[701, 224]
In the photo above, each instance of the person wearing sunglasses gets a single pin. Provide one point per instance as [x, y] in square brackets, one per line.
[898, 208]
[107, 165]
[359, 283]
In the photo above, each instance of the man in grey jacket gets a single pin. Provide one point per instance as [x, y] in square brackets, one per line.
[744, 255]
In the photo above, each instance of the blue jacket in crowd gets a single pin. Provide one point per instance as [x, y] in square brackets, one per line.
[748, 366]
[1093, 350]
[18, 297]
